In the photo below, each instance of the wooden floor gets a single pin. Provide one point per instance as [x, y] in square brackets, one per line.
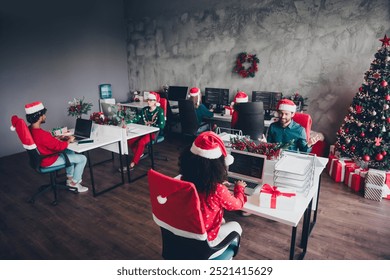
[118, 225]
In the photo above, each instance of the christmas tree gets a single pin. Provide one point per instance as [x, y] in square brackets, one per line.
[365, 133]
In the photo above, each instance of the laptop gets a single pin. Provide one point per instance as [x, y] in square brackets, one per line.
[109, 110]
[248, 167]
[82, 129]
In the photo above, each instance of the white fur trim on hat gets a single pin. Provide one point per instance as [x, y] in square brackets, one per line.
[34, 107]
[211, 154]
[241, 97]
[287, 105]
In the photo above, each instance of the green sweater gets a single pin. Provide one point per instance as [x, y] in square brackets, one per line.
[156, 117]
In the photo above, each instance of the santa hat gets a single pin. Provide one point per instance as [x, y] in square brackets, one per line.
[195, 92]
[33, 107]
[286, 105]
[210, 145]
[241, 97]
[154, 96]
[23, 132]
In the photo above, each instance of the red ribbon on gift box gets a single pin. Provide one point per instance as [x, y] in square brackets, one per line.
[230, 109]
[274, 192]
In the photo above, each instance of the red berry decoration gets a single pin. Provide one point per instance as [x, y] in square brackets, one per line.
[383, 83]
[387, 97]
[384, 153]
[379, 157]
[353, 148]
[366, 158]
[343, 147]
[362, 134]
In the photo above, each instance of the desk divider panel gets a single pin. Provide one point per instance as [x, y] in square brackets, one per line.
[112, 130]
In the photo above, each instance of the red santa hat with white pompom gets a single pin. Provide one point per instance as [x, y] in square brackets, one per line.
[286, 105]
[209, 145]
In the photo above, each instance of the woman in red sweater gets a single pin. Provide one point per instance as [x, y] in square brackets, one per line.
[205, 165]
[48, 144]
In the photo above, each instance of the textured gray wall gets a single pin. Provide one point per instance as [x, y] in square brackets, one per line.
[319, 48]
[55, 51]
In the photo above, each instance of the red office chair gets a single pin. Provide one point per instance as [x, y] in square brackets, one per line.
[35, 160]
[161, 134]
[176, 209]
[305, 121]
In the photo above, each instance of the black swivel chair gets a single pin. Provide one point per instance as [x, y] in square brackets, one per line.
[250, 119]
[35, 159]
[188, 119]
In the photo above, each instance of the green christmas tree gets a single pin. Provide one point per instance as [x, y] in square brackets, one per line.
[365, 133]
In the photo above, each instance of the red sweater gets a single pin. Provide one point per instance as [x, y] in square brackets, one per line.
[47, 144]
[213, 206]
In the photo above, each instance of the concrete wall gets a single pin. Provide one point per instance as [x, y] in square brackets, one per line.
[55, 51]
[320, 48]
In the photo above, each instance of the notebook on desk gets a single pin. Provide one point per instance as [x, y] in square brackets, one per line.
[248, 167]
[82, 129]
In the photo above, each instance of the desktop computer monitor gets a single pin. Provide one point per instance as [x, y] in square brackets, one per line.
[218, 97]
[175, 93]
[270, 100]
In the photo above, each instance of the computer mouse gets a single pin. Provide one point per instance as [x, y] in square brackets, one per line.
[222, 114]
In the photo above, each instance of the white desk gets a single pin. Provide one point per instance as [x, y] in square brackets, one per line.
[100, 141]
[136, 105]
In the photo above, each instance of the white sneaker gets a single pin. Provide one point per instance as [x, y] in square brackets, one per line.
[81, 188]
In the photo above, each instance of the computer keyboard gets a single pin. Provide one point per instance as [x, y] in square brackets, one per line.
[250, 185]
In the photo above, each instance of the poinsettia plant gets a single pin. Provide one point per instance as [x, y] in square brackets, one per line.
[78, 107]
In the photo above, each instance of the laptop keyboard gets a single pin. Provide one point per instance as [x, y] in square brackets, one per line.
[250, 185]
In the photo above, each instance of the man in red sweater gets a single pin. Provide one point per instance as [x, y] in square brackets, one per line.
[48, 144]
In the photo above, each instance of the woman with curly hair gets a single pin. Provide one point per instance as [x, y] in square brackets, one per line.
[205, 165]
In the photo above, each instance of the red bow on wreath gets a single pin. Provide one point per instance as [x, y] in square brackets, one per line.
[251, 70]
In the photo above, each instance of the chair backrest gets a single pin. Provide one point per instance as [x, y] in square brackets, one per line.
[188, 119]
[305, 121]
[27, 141]
[250, 119]
[176, 209]
[164, 106]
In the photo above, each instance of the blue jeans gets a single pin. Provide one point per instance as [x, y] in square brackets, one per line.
[76, 169]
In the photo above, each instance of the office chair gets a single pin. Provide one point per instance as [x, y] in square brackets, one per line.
[35, 161]
[305, 121]
[160, 136]
[250, 119]
[176, 209]
[188, 119]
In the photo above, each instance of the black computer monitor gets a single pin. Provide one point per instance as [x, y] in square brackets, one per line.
[175, 93]
[269, 98]
[218, 97]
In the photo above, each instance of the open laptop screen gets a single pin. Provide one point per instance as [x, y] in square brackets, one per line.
[249, 166]
[83, 128]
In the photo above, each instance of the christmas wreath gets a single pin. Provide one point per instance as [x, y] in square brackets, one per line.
[251, 70]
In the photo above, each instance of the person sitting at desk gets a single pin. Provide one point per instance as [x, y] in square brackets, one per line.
[241, 97]
[200, 109]
[285, 129]
[151, 115]
[48, 144]
[204, 165]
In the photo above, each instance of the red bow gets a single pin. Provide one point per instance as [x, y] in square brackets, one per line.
[274, 192]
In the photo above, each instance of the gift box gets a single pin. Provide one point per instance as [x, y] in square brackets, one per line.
[228, 110]
[277, 198]
[349, 171]
[374, 184]
[337, 168]
[358, 180]
[59, 131]
[386, 187]
[332, 158]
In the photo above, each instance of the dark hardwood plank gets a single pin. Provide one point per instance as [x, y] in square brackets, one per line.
[118, 225]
